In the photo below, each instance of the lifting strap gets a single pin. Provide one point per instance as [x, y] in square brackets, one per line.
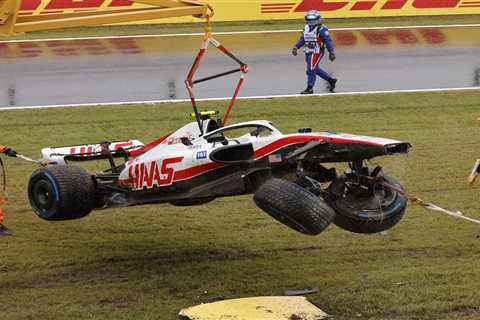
[189, 82]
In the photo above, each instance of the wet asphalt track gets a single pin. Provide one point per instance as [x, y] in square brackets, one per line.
[154, 68]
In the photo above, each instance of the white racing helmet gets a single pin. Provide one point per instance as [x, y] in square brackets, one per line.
[312, 18]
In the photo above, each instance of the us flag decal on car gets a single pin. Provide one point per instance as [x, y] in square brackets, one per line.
[275, 158]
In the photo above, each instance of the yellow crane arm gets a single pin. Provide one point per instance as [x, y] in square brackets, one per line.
[11, 23]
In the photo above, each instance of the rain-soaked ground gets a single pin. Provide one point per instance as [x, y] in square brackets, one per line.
[154, 68]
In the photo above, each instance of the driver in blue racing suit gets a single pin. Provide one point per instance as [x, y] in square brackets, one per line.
[315, 38]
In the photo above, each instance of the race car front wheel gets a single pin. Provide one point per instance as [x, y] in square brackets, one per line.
[61, 192]
[294, 206]
[362, 209]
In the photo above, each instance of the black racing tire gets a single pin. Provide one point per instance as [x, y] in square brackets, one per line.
[367, 214]
[294, 206]
[191, 202]
[61, 192]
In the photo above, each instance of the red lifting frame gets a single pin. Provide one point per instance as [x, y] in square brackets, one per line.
[189, 82]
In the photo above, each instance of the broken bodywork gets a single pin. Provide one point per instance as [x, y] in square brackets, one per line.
[187, 167]
[258, 308]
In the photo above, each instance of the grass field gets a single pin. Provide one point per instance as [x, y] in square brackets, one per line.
[245, 26]
[149, 262]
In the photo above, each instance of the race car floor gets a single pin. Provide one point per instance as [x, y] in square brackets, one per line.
[57, 72]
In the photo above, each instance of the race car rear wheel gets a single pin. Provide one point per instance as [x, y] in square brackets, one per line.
[366, 212]
[61, 192]
[294, 206]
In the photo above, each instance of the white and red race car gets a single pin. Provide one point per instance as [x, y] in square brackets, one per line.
[205, 160]
[202, 161]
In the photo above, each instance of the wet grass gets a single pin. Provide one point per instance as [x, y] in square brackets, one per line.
[244, 26]
[149, 262]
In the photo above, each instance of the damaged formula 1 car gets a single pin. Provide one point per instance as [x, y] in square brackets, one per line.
[206, 159]
[202, 161]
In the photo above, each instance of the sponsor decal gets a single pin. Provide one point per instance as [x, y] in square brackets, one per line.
[341, 38]
[227, 10]
[177, 140]
[470, 4]
[202, 154]
[71, 48]
[61, 6]
[327, 5]
[277, 7]
[404, 36]
[86, 150]
[275, 158]
[155, 173]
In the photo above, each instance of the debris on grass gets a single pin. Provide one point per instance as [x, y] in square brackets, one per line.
[258, 308]
[300, 292]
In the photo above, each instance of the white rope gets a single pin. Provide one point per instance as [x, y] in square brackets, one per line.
[455, 214]
[426, 205]
[28, 159]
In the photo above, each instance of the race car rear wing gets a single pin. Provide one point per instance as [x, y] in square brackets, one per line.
[87, 152]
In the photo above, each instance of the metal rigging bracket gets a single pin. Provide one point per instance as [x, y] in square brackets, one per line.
[189, 82]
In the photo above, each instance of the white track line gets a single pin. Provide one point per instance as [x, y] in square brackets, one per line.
[240, 33]
[241, 98]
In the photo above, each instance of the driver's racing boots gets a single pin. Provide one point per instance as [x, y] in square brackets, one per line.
[307, 91]
[331, 87]
[331, 84]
